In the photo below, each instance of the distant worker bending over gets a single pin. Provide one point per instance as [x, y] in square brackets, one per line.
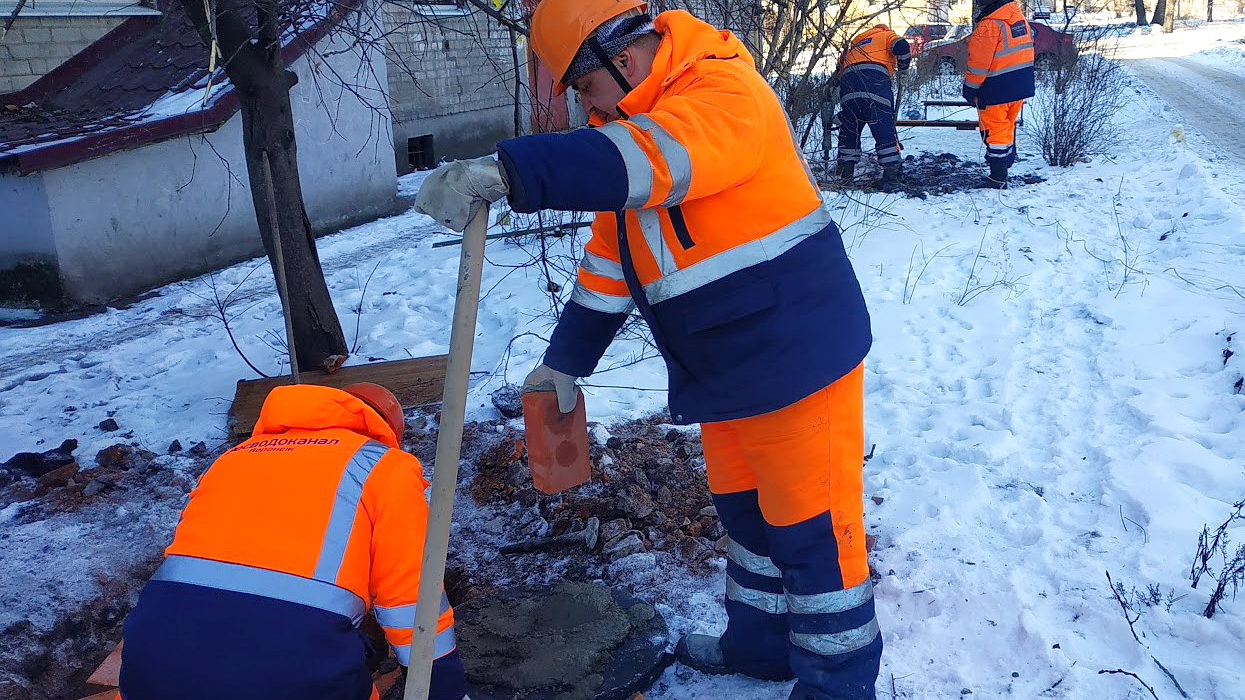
[713, 228]
[866, 96]
[998, 79]
[287, 541]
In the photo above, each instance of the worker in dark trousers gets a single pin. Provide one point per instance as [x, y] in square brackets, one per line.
[286, 542]
[867, 97]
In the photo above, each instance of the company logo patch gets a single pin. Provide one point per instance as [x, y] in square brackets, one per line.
[1019, 29]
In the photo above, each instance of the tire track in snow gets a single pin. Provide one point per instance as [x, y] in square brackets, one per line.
[1210, 99]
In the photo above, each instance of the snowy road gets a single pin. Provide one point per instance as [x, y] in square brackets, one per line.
[1212, 100]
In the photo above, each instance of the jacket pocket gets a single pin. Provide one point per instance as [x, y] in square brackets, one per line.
[730, 307]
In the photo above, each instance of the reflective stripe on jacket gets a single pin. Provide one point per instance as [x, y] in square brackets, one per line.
[316, 509]
[867, 66]
[718, 234]
[1000, 58]
[878, 46]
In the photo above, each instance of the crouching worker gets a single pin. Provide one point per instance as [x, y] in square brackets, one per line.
[287, 541]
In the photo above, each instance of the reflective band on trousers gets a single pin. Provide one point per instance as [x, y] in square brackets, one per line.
[772, 603]
[831, 601]
[865, 65]
[402, 616]
[839, 642]
[738, 258]
[445, 643]
[345, 507]
[757, 564]
[262, 582]
[866, 96]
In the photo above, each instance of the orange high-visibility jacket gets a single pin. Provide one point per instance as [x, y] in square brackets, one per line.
[877, 45]
[1000, 57]
[318, 509]
[715, 231]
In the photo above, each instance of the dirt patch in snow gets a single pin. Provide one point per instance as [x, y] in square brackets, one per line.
[925, 175]
[77, 543]
[79, 537]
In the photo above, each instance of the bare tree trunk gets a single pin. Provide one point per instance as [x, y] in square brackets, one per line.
[1140, 5]
[1210, 10]
[258, 73]
[1160, 11]
[1169, 18]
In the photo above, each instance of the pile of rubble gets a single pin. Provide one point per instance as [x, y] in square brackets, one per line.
[647, 495]
[80, 537]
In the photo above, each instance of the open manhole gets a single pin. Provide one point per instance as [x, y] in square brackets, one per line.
[568, 641]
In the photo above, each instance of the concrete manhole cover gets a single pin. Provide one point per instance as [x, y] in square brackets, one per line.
[568, 641]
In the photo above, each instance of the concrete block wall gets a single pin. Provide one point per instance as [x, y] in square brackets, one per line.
[36, 45]
[451, 75]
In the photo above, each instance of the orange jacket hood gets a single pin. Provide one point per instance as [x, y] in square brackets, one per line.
[685, 39]
[312, 407]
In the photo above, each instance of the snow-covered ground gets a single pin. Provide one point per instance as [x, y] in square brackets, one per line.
[1051, 395]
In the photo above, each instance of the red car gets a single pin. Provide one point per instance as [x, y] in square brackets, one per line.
[919, 35]
[1050, 48]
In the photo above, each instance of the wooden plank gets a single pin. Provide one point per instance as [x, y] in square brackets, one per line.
[109, 672]
[953, 123]
[415, 382]
[103, 695]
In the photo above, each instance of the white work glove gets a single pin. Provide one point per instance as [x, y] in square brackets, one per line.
[546, 378]
[454, 192]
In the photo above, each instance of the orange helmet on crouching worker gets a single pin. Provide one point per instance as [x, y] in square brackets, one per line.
[560, 27]
[383, 402]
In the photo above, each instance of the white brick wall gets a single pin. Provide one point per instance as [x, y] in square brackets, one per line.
[452, 76]
[36, 45]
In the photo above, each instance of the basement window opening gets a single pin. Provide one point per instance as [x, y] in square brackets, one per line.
[419, 153]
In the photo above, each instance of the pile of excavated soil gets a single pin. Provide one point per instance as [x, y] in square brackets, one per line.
[647, 489]
[79, 537]
[927, 174]
[552, 643]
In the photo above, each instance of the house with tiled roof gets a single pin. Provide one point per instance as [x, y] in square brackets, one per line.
[122, 168]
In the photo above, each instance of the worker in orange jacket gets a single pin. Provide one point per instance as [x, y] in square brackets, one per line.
[712, 227]
[997, 80]
[288, 539]
[866, 96]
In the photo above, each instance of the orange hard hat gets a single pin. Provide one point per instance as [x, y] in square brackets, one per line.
[383, 401]
[559, 28]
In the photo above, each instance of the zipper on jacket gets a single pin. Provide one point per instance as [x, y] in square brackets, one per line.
[680, 227]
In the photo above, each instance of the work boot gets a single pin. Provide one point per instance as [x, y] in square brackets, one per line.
[703, 652]
[892, 178]
[997, 179]
[847, 170]
[799, 692]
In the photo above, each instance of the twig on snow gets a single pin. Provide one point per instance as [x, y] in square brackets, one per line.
[1170, 676]
[1138, 678]
[1118, 592]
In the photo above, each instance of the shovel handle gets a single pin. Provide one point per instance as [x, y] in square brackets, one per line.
[449, 446]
